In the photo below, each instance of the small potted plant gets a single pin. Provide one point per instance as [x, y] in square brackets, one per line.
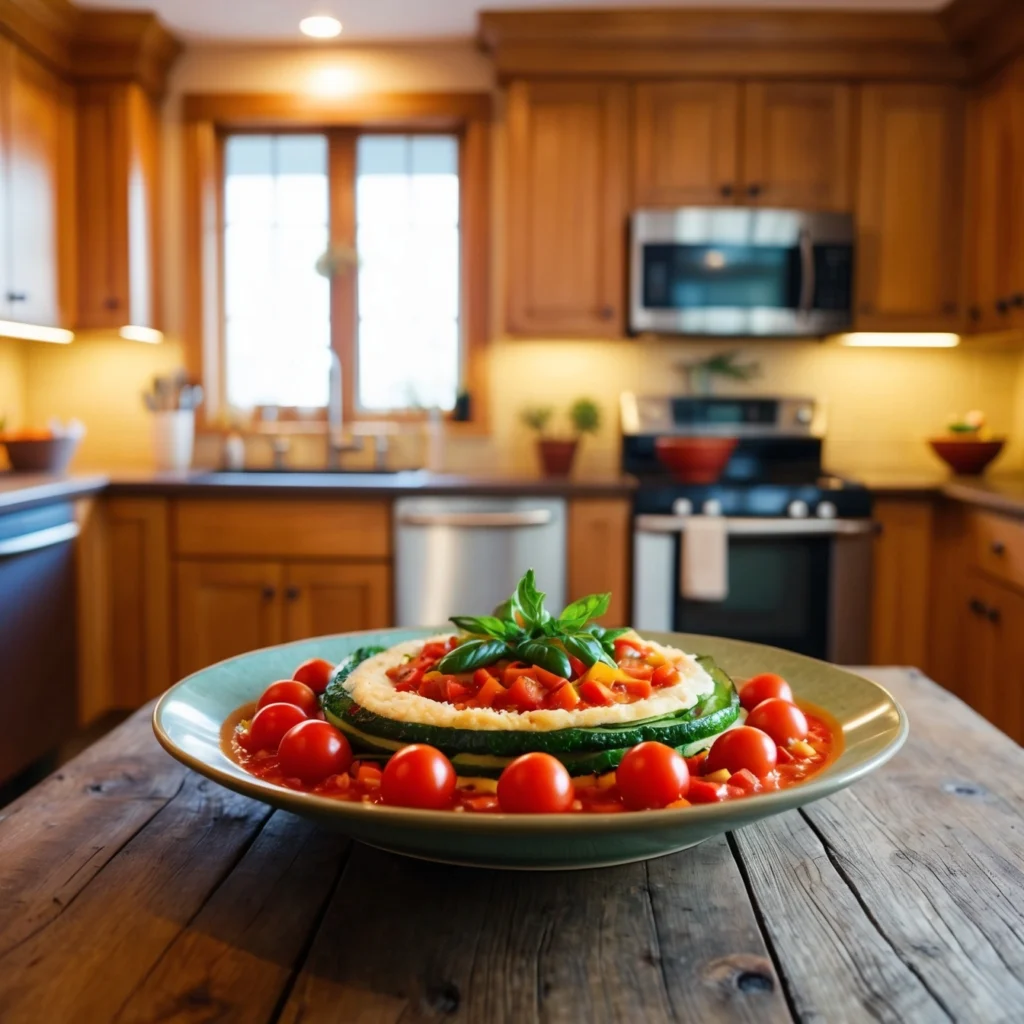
[558, 453]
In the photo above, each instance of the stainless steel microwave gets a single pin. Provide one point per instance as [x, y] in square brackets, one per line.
[713, 271]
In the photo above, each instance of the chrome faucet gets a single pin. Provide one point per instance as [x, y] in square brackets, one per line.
[337, 443]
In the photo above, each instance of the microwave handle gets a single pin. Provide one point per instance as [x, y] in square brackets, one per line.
[807, 281]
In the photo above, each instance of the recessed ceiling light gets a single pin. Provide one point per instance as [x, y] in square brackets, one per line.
[320, 26]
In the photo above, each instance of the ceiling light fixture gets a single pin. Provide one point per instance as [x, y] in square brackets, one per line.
[872, 339]
[320, 26]
[35, 332]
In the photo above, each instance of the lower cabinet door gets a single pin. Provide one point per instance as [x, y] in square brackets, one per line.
[1006, 616]
[226, 608]
[322, 598]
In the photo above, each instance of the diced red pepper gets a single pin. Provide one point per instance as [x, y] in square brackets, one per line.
[369, 775]
[578, 668]
[488, 693]
[484, 802]
[783, 756]
[666, 675]
[548, 679]
[434, 688]
[481, 675]
[514, 671]
[456, 691]
[696, 763]
[626, 648]
[564, 697]
[525, 694]
[635, 689]
[644, 672]
[596, 693]
[745, 780]
[702, 792]
[433, 651]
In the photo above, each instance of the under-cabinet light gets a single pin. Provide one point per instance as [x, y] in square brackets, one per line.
[36, 332]
[320, 26]
[874, 339]
[148, 335]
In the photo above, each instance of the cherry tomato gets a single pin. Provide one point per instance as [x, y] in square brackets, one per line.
[419, 776]
[783, 721]
[650, 776]
[535, 783]
[270, 723]
[742, 747]
[761, 687]
[289, 691]
[315, 673]
[312, 750]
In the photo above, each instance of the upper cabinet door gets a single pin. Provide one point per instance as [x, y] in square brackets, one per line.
[567, 206]
[686, 143]
[798, 146]
[35, 162]
[910, 197]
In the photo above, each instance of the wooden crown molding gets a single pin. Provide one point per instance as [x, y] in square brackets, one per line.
[701, 42]
[91, 45]
[987, 32]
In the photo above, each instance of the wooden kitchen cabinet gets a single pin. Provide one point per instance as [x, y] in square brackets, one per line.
[686, 143]
[321, 598]
[909, 197]
[118, 179]
[227, 608]
[600, 543]
[36, 180]
[568, 196]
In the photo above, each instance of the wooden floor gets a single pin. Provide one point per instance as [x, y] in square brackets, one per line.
[133, 890]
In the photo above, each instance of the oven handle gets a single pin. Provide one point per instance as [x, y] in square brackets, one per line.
[753, 527]
[807, 281]
[479, 520]
[26, 542]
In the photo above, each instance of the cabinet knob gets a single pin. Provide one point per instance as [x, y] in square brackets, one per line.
[998, 547]
[974, 314]
[606, 313]
[949, 308]
[994, 616]
[1018, 300]
[112, 303]
[292, 593]
[17, 297]
[1003, 306]
[727, 190]
[977, 607]
[269, 593]
[754, 190]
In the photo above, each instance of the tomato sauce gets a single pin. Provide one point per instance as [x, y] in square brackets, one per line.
[593, 794]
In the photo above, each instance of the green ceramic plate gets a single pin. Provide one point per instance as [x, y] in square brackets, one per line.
[188, 722]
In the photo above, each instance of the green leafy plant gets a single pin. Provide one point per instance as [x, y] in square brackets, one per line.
[537, 417]
[585, 416]
[521, 628]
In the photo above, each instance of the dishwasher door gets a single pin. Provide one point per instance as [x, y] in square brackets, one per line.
[38, 653]
[464, 556]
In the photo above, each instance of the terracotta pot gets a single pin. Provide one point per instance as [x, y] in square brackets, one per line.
[695, 460]
[557, 457]
[966, 456]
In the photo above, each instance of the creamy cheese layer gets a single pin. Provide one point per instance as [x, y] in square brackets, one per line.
[369, 687]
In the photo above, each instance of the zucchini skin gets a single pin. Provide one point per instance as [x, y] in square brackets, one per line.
[598, 748]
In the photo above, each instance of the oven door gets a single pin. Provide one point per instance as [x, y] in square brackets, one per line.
[714, 271]
[803, 585]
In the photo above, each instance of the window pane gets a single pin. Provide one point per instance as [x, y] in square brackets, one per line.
[277, 308]
[407, 235]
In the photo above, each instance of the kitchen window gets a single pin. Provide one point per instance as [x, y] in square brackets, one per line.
[398, 331]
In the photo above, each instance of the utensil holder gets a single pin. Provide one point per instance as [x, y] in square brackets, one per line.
[174, 432]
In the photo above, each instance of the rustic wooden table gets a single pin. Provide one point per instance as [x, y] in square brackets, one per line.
[133, 890]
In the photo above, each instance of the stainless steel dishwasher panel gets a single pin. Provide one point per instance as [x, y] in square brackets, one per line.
[464, 556]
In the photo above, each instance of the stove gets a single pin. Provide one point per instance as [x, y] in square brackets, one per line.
[777, 551]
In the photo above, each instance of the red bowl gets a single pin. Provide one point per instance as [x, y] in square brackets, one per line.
[966, 456]
[695, 460]
[45, 455]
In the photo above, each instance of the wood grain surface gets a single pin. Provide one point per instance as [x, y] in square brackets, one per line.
[133, 890]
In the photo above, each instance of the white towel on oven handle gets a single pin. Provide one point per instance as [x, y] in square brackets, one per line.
[704, 561]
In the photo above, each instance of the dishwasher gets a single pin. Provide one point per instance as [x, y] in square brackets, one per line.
[38, 649]
[464, 556]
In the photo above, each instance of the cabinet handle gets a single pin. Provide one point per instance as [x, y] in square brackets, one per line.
[754, 190]
[727, 190]
[606, 313]
[269, 593]
[994, 616]
[998, 547]
[112, 303]
[977, 607]
[974, 313]
[1003, 306]
[292, 593]
[949, 308]
[17, 297]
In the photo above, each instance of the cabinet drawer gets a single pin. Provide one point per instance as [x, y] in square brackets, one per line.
[999, 547]
[283, 529]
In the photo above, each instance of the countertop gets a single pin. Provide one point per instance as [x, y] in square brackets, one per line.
[139, 891]
[23, 490]
[999, 493]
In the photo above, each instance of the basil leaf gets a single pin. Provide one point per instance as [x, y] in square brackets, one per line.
[587, 648]
[595, 629]
[611, 635]
[546, 654]
[580, 612]
[530, 601]
[471, 655]
[505, 611]
[483, 625]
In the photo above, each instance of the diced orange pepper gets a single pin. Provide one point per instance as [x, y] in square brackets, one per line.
[525, 694]
[564, 697]
[635, 689]
[666, 675]
[596, 693]
[548, 679]
[746, 780]
[644, 672]
[701, 792]
[487, 693]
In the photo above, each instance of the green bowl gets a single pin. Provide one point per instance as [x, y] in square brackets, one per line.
[188, 720]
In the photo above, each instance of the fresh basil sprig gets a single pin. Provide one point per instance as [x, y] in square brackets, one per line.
[522, 629]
